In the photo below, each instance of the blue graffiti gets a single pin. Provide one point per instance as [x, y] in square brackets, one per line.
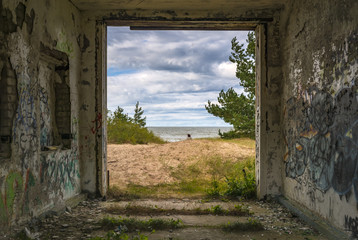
[325, 144]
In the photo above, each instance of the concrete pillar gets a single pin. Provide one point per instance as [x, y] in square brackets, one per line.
[93, 106]
[268, 149]
[101, 106]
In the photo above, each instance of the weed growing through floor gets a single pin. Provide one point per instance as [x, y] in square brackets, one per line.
[251, 225]
[238, 210]
[133, 224]
[111, 235]
[217, 209]
[243, 209]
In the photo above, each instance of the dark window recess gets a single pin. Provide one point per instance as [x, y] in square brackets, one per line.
[63, 112]
[55, 101]
[8, 105]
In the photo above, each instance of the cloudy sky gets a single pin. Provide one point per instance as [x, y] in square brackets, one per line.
[172, 74]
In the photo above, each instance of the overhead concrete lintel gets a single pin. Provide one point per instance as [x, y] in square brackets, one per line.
[175, 16]
[186, 25]
[209, 5]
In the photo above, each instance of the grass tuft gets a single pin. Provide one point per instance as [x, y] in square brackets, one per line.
[133, 224]
[252, 225]
[111, 235]
[239, 210]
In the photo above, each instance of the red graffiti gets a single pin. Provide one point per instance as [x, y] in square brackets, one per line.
[97, 123]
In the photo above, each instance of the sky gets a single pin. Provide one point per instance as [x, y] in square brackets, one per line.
[172, 74]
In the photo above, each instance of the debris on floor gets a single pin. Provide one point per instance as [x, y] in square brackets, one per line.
[198, 220]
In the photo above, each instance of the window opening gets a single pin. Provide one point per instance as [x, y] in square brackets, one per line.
[55, 104]
[8, 105]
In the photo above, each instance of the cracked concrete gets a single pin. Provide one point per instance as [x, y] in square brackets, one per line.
[81, 222]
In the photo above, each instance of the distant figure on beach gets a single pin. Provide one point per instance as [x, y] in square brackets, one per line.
[189, 137]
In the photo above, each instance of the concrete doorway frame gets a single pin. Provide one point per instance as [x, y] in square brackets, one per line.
[260, 28]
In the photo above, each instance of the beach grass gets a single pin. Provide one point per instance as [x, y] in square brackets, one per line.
[211, 176]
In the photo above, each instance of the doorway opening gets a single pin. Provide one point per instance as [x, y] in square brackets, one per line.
[175, 77]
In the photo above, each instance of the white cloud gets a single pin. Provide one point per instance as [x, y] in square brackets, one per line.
[171, 73]
[225, 69]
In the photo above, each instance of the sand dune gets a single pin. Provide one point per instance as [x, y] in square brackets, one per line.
[151, 164]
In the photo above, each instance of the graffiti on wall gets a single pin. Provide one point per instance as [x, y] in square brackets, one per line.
[13, 185]
[96, 123]
[22, 192]
[321, 133]
[17, 197]
[325, 143]
[25, 124]
[40, 173]
[45, 118]
[60, 172]
[351, 224]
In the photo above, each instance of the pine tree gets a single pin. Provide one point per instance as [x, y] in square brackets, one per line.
[119, 115]
[137, 118]
[239, 110]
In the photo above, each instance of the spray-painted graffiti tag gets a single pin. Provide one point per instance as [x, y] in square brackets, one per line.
[13, 186]
[351, 224]
[25, 125]
[61, 172]
[97, 123]
[325, 143]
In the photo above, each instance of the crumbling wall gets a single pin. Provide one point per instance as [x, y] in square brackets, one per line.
[320, 112]
[39, 69]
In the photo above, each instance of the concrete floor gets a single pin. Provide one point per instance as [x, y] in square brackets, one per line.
[81, 222]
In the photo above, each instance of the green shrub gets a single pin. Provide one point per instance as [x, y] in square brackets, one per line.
[245, 188]
[214, 190]
[238, 182]
[123, 129]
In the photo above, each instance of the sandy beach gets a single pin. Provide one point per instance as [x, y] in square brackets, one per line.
[152, 164]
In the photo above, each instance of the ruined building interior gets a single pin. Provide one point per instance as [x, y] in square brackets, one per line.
[53, 97]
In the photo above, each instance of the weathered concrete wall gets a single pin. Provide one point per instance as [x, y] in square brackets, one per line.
[53, 93]
[320, 113]
[93, 108]
[40, 59]
[268, 102]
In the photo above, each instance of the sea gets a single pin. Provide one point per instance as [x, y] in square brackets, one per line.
[175, 134]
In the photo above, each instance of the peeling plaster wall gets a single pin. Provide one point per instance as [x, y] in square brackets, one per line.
[35, 35]
[320, 108]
